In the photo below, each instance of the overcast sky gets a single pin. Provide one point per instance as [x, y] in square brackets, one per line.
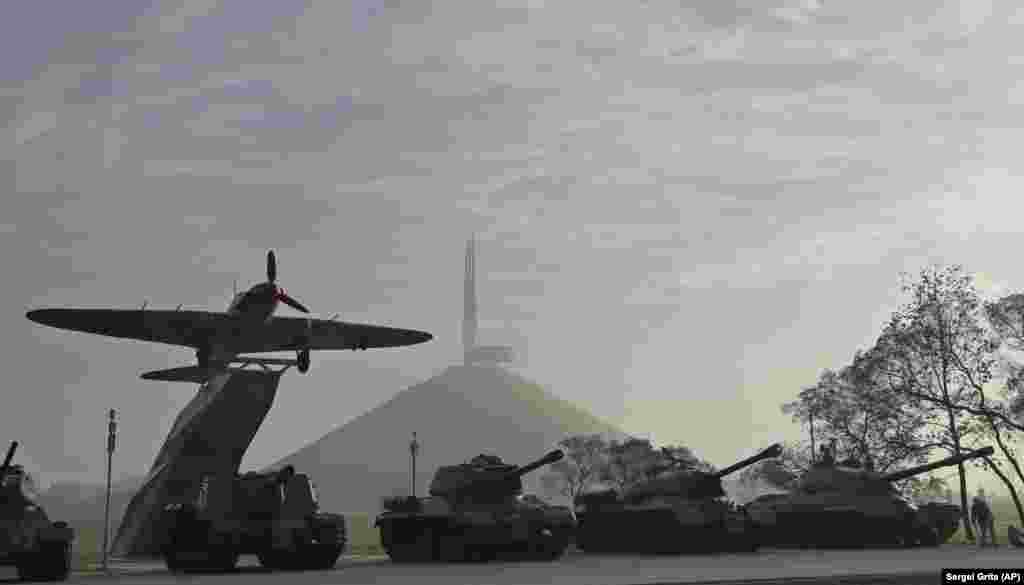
[686, 210]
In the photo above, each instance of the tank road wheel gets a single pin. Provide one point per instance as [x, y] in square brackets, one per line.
[52, 562]
[307, 557]
[927, 536]
[270, 559]
[451, 548]
[325, 557]
[749, 538]
[172, 562]
[172, 558]
[60, 561]
[589, 537]
[29, 568]
[581, 538]
[910, 533]
[549, 544]
[225, 560]
[285, 559]
[413, 545]
[215, 560]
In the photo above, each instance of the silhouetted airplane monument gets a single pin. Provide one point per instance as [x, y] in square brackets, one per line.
[213, 431]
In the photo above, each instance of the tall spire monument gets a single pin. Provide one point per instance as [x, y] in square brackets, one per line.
[474, 354]
[469, 323]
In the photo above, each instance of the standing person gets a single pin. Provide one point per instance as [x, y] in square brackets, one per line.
[981, 517]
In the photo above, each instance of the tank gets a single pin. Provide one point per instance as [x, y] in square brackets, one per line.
[275, 515]
[840, 506]
[39, 548]
[679, 511]
[476, 511]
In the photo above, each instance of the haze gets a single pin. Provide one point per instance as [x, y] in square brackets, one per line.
[684, 213]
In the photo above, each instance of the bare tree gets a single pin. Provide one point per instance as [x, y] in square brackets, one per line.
[628, 462]
[581, 467]
[681, 457]
[929, 486]
[810, 408]
[1006, 316]
[936, 351]
[990, 427]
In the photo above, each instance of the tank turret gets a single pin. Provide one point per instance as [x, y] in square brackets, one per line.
[696, 484]
[486, 473]
[848, 479]
[7, 460]
[20, 484]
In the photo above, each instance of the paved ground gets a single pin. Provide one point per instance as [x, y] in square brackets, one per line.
[768, 567]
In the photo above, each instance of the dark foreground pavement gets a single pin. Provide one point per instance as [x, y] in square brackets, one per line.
[768, 567]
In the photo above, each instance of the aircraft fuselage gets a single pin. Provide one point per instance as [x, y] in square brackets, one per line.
[255, 305]
[252, 308]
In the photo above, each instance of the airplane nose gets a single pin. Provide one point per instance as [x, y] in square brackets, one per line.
[421, 337]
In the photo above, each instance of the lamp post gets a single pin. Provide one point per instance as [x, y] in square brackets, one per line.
[111, 443]
[414, 448]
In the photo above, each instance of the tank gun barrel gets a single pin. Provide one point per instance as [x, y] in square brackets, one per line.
[9, 457]
[948, 461]
[773, 451]
[552, 457]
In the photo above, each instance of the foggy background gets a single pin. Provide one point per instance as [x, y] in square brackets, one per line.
[684, 213]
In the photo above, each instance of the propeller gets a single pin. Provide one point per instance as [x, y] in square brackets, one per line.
[279, 293]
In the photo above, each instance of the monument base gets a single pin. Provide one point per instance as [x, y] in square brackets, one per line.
[208, 439]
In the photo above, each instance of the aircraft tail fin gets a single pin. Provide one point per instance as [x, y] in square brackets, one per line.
[193, 374]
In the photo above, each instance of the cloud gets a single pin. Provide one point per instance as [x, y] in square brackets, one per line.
[762, 13]
[37, 124]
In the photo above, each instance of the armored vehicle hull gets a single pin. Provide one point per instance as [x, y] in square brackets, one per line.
[40, 550]
[839, 520]
[431, 530]
[844, 507]
[663, 527]
[37, 547]
[476, 512]
[677, 513]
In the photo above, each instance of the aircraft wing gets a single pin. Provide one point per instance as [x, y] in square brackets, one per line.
[187, 328]
[194, 328]
[289, 333]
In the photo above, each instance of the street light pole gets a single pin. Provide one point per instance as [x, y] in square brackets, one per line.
[414, 448]
[111, 443]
